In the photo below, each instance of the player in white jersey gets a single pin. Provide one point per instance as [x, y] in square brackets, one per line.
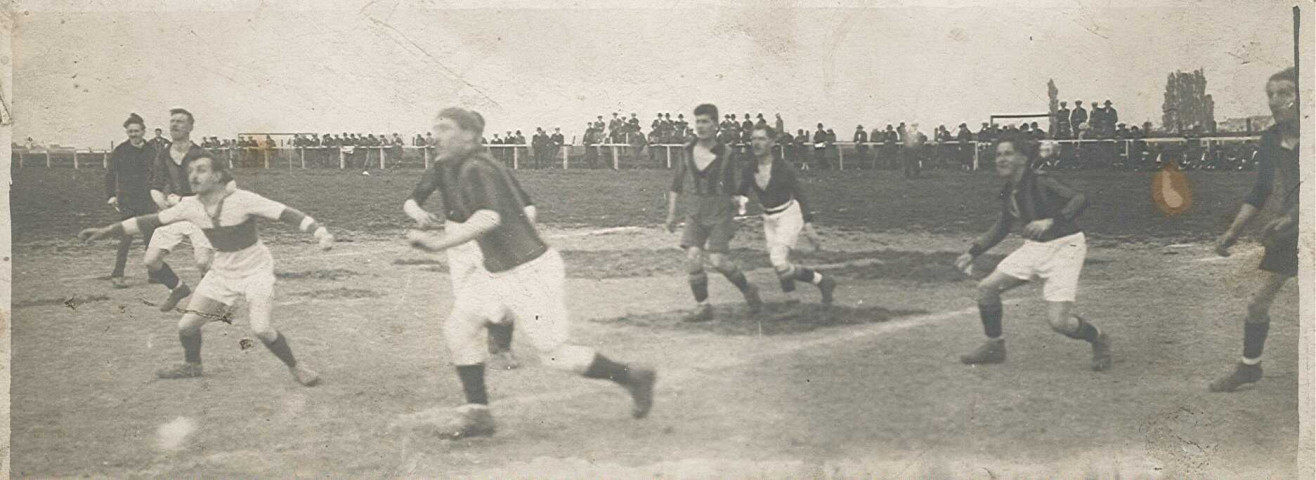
[242, 267]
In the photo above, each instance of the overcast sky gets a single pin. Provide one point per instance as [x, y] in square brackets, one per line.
[389, 66]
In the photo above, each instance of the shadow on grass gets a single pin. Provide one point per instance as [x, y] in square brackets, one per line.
[338, 294]
[333, 274]
[776, 318]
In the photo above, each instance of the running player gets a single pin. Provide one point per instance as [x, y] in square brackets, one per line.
[785, 211]
[525, 276]
[1275, 196]
[127, 184]
[169, 185]
[1054, 250]
[243, 268]
[708, 171]
[466, 268]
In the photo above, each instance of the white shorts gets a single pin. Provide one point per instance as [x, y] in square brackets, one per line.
[228, 290]
[533, 292]
[469, 279]
[1057, 262]
[782, 232]
[169, 236]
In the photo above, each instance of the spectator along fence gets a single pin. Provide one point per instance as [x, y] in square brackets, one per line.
[1223, 153]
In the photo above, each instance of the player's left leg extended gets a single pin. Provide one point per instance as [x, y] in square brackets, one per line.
[535, 293]
[200, 311]
[991, 312]
[259, 292]
[1256, 326]
[782, 232]
[1060, 269]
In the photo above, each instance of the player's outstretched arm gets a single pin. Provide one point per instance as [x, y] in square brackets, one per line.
[131, 226]
[305, 223]
[994, 235]
[480, 223]
[423, 218]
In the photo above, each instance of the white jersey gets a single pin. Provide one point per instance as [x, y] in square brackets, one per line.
[231, 229]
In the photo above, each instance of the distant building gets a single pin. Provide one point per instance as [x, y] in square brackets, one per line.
[1253, 124]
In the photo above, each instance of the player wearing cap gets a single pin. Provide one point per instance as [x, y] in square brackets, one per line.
[242, 268]
[785, 211]
[1054, 250]
[482, 204]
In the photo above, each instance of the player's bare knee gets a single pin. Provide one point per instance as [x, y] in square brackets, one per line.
[190, 323]
[988, 293]
[154, 258]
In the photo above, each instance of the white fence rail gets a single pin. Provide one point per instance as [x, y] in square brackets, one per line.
[1125, 153]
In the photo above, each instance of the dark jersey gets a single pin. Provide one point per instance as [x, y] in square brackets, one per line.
[171, 177]
[783, 186]
[1277, 176]
[477, 183]
[129, 175]
[1037, 196]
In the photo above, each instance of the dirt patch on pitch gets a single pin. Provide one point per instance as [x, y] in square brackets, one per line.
[332, 274]
[777, 318]
[73, 302]
[339, 294]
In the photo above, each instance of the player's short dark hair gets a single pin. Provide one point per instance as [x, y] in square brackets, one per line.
[772, 132]
[706, 109]
[134, 118]
[176, 111]
[468, 120]
[1022, 144]
[217, 166]
[1289, 74]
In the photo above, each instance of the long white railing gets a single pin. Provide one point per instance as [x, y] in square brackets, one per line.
[618, 155]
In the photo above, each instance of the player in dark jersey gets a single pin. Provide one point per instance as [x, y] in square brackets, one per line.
[127, 184]
[708, 173]
[785, 211]
[482, 203]
[1054, 252]
[243, 268]
[1275, 196]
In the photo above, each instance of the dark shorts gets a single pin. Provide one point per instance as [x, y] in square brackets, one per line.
[1282, 257]
[711, 226]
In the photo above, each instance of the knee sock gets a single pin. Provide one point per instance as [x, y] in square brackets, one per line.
[1085, 331]
[699, 285]
[602, 367]
[166, 276]
[1254, 341]
[991, 314]
[737, 278]
[500, 337]
[808, 275]
[191, 346]
[472, 377]
[279, 347]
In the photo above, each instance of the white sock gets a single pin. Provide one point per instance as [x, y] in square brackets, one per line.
[1251, 361]
[817, 277]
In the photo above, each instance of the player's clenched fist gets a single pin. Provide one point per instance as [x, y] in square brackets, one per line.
[326, 239]
[965, 263]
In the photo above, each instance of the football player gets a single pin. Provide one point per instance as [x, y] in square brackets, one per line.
[242, 266]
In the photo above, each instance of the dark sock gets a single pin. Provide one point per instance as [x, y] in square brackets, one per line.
[1085, 331]
[191, 346]
[500, 337]
[166, 276]
[279, 347]
[602, 367]
[804, 274]
[699, 285]
[737, 278]
[991, 318]
[1254, 339]
[787, 283]
[472, 377]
